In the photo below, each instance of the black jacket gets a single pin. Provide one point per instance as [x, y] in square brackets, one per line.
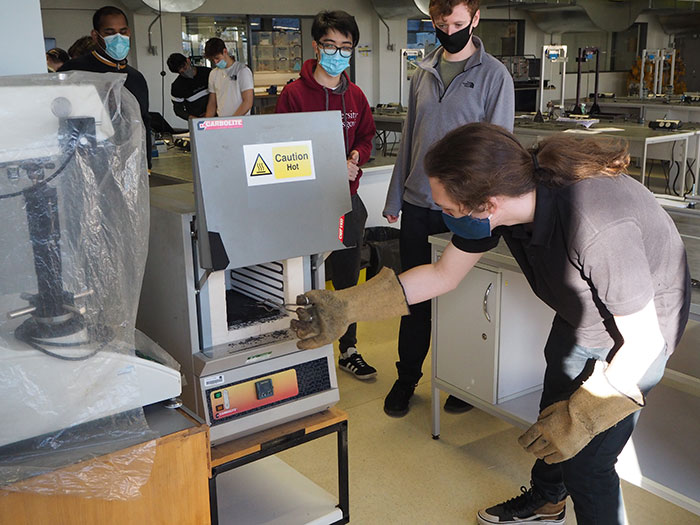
[190, 95]
[135, 83]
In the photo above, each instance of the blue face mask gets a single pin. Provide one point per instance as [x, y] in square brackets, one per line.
[468, 227]
[334, 64]
[221, 64]
[117, 46]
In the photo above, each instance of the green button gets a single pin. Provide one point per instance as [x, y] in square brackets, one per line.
[217, 395]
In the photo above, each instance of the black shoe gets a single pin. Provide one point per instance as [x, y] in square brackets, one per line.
[530, 507]
[396, 401]
[455, 405]
[357, 366]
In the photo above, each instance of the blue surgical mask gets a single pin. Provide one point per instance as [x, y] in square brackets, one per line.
[117, 46]
[221, 64]
[468, 227]
[334, 64]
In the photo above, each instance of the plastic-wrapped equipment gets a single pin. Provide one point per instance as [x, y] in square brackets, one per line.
[74, 210]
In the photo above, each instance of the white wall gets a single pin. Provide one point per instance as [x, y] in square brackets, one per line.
[23, 50]
[151, 65]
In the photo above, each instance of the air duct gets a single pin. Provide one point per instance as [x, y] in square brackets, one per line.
[681, 23]
[401, 8]
[578, 16]
[165, 6]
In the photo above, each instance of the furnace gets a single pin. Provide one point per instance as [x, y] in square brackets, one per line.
[228, 256]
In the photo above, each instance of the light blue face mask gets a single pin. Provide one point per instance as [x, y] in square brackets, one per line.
[221, 64]
[468, 227]
[117, 46]
[334, 64]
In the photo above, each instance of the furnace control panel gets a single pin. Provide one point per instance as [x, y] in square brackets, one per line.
[248, 395]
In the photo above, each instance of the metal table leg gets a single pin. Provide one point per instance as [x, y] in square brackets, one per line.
[213, 504]
[343, 471]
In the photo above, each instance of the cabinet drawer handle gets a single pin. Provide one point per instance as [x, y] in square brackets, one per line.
[486, 302]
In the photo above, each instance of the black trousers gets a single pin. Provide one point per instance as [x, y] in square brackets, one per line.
[589, 477]
[414, 334]
[345, 264]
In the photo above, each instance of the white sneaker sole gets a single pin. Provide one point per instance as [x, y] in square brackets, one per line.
[533, 521]
[362, 378]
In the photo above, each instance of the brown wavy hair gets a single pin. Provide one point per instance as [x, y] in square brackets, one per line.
[481, 160]
[442, 8]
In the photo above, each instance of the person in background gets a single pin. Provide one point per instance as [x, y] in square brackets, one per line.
[456, 84]
[324, 85]
[83, 46]
[230, 83]
[599, 250]
[55, 58]
[110, 34]
[190, 90]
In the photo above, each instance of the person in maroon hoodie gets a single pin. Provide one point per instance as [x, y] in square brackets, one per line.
[323, 85]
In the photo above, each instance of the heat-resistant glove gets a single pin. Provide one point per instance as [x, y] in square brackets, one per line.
[564, 428]
[381, 297]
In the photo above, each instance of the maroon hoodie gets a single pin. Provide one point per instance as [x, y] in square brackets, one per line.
[305, 94]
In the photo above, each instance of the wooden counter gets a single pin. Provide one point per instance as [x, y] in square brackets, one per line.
[176, 492]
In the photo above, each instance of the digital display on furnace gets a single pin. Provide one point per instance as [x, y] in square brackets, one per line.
[264, 388]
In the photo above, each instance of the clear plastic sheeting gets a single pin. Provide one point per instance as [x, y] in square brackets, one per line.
[74, 210]
[109, 459]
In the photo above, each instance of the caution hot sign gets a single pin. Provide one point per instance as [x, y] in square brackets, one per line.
[279, 162]
[259, 167]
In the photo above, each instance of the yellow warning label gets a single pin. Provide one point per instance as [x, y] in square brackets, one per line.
[260, 168]
[292, 161]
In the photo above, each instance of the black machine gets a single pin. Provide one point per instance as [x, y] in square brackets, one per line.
[584, 55]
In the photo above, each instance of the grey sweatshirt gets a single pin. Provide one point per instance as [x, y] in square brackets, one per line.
[482, 93]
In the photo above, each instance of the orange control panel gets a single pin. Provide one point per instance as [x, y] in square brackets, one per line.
[243, 397]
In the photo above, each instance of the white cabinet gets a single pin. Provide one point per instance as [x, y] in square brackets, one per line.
[489, 335]
[465, 331]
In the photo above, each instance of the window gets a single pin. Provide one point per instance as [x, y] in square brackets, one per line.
[500, 37]
[196, 30]
[421, 35]
[271, 46]
[276, 44]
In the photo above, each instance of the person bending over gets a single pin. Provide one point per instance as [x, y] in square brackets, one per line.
[599, 250]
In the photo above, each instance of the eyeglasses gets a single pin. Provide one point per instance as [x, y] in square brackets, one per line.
[332, 49]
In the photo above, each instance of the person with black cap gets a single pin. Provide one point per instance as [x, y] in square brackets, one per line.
[190, 90]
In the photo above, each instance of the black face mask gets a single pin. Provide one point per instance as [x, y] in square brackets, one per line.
[455, 42]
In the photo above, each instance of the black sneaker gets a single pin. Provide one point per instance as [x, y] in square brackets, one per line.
[356, 366]
[396, 401]
[455, 405]
[530, 507]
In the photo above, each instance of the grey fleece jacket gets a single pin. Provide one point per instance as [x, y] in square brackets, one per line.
[482, 93]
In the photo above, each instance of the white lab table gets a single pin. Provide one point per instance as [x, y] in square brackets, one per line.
[644, 142]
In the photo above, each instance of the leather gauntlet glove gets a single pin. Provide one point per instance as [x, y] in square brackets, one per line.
[564, 428]
[382, 297]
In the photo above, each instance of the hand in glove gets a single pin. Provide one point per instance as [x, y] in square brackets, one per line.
[564, 428]
[381, 297]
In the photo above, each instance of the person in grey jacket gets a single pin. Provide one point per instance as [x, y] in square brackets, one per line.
[456, 84]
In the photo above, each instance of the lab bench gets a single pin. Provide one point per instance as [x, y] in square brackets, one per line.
[644, 142]
[487, 349]
[647, 109]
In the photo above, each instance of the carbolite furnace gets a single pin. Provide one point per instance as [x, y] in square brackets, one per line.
[227, 254]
